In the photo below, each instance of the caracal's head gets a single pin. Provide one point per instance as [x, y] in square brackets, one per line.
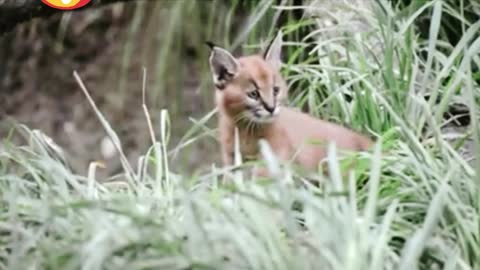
[250, 87]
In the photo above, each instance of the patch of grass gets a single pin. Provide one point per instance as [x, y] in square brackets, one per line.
[412, 204]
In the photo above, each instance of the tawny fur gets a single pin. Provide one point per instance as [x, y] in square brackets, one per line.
[291, 134]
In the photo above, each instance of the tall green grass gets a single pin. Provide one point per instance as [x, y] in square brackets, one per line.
[412, 203]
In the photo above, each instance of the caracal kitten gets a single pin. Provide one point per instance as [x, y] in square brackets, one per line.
[249, 95]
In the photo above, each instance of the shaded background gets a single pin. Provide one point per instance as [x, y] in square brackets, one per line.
[109, 46]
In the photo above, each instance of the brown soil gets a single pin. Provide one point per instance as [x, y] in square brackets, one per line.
[39, 90]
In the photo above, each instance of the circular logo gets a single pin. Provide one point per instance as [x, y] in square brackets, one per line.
[66, 4]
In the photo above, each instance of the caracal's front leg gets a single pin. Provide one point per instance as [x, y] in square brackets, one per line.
[282, 154]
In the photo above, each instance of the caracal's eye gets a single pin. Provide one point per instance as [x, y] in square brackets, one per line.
[276, 90]
[254, 94]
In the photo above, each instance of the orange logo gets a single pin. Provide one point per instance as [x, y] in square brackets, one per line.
[66, 4]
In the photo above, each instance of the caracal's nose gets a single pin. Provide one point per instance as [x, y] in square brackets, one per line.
[269, 109]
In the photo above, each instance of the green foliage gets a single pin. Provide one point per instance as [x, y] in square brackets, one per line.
[412, 203]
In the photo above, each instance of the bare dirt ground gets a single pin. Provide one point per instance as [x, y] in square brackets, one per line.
[37, 88]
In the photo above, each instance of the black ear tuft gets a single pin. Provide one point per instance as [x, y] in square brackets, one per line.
[210, 44]
[223, 65]
[265, 52]
[273, 53]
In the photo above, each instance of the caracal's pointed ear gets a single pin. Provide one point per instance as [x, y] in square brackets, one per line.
[223, 65]
[273, 55]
